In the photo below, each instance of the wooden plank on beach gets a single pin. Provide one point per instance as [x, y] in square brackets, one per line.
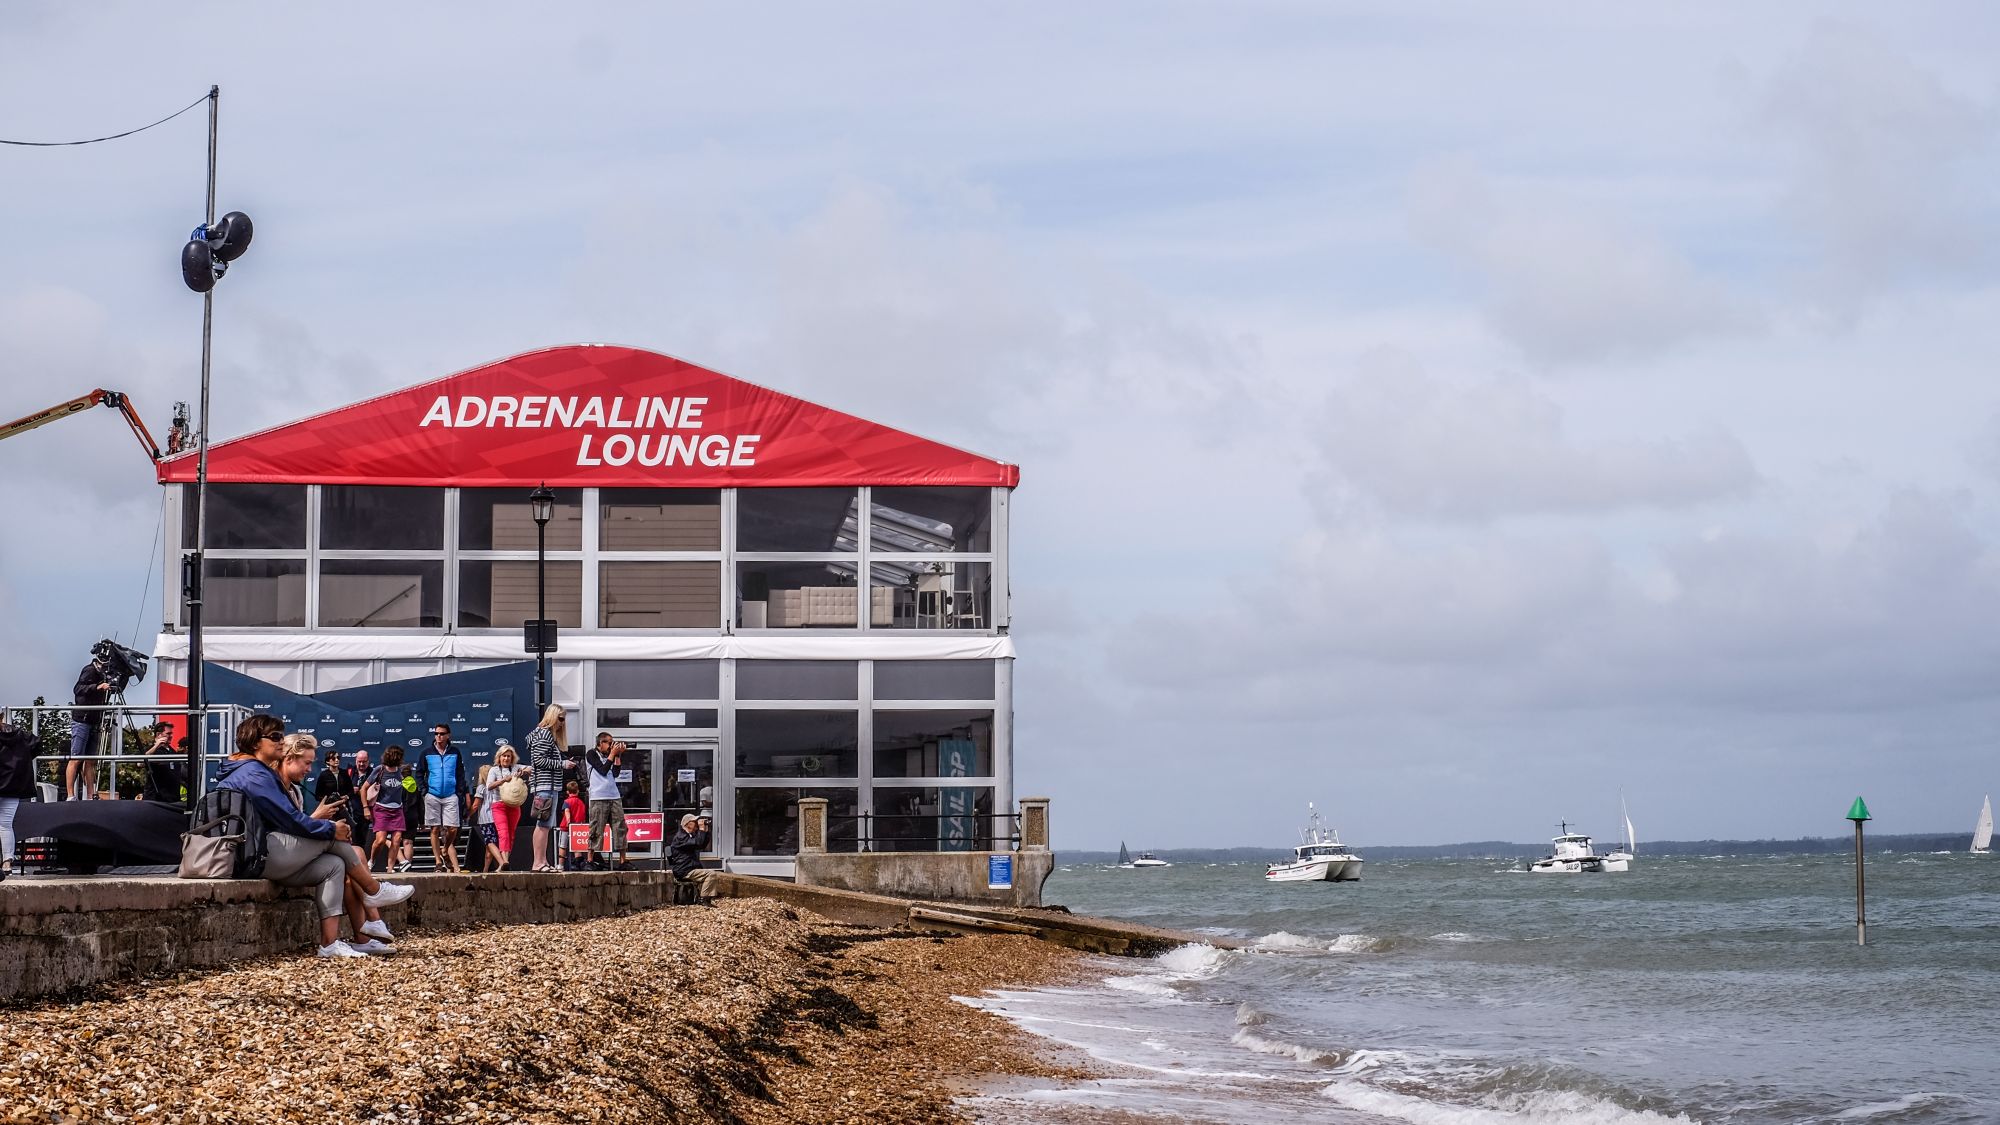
[967, 922]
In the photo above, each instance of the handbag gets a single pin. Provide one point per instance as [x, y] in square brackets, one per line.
[209, 857]
[514, 792]
[545, 803]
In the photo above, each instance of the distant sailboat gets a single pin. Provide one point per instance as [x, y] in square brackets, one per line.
[1621, 859]
[1982, 833]
[1124, 857]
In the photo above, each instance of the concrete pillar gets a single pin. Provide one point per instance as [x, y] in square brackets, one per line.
[812, 824]
[1034, 824]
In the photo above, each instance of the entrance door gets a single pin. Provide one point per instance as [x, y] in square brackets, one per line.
[671, 774]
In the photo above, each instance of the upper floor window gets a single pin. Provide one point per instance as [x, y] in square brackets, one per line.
[927, 520]
[659, 519]
[797, 519]
[499, 519]
[269, 517]
[356, 517]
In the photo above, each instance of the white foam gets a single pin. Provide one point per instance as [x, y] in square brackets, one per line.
[1900, 1105]
[1193, 961]
[1283, 942]
[1543, 1107]
[1456, 936]
[1159, 988]
[1309, 1055]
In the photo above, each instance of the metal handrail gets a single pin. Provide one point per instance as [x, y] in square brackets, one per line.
[866, 838]
[217, 738]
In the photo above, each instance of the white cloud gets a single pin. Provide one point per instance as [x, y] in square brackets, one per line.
[1889, 165]
[1567, 286]
[1424, 448]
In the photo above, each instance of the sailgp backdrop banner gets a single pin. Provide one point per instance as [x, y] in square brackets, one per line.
[590, 416]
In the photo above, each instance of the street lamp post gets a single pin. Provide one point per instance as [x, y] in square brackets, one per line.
[542, 503]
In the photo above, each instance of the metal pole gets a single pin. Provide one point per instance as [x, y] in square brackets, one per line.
[1860, 890]
[196, 689]
[541, 616]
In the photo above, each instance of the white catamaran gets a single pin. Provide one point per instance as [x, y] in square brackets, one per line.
[1982, 833]
[1319, 857]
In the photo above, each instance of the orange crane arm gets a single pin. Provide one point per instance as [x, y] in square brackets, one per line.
[79, 404]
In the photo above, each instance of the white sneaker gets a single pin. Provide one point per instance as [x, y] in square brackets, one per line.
[372, 948]
[378, 929]
[340, 949]
[389, 894]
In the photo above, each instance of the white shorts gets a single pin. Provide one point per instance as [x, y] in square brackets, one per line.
[442, 812]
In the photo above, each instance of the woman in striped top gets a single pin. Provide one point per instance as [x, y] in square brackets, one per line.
[545, 759]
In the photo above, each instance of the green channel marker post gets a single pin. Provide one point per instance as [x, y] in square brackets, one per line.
[1858, 813]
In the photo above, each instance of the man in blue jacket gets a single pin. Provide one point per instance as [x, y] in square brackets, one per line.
[441, 774]
[303, 851]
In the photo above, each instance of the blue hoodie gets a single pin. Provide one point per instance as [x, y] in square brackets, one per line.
[256, 782]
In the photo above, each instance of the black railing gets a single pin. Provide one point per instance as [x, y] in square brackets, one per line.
[924, 832]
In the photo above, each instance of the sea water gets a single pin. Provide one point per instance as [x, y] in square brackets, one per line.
[1465, 992]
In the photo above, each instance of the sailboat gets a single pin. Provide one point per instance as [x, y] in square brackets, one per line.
[1982, 833]
[1124, 857]
[1620, 859]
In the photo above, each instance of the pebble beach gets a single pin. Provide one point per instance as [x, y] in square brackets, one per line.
[744, 1011]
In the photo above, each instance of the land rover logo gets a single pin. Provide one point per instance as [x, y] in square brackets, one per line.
[810, 763]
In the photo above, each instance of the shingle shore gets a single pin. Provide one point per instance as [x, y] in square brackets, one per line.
[745, 1011]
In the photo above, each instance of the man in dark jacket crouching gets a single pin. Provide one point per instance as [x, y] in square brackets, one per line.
[684, 859]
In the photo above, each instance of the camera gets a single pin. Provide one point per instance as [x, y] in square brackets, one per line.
[121, 665]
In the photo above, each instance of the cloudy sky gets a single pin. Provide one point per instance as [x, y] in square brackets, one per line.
[1453, 415]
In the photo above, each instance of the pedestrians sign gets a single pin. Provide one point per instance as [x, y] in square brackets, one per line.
[645, 827]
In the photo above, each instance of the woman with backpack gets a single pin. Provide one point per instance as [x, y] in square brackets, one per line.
[383, 796]
[545, 759]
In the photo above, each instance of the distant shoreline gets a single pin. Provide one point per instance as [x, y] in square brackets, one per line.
[1500, 849]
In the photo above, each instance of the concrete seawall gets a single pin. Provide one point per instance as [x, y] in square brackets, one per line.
[58, 934]
[62, 934]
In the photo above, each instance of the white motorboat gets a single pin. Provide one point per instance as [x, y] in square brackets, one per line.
[1146, 859]
[1319, 857]
[1620, 859]
[1982, 832]
[1574, 853]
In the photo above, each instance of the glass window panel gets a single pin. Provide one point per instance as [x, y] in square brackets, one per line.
[501, 594]
[796, 519]
[381, 593]
[355, 517]
[659, 595]
[931, 520]
[670, 718]
[270, 593]
[933, 743]
[954, 819]
[932, 595]
[934, 679]
[805, 595]
[501, 519]
[268, 517]
[797, 743]
[797, 679]
[660, 519]
[767, 820]
[659, 679]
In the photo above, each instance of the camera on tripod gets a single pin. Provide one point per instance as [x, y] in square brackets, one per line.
[121, 665]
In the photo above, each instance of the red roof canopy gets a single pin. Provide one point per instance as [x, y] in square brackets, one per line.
[584, 416]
